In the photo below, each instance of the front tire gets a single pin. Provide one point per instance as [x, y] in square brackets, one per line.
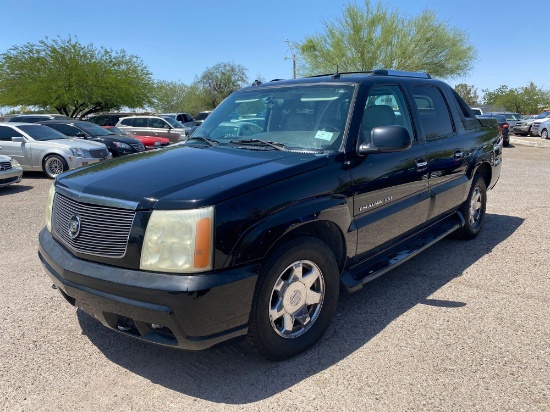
[295, 299]
[53, 165]
[544, 134]
[473, 209]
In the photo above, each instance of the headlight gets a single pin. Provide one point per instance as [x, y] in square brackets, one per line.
[14, 163]
[77, 152]
[178, 241]
[121, 145]
[49, 206]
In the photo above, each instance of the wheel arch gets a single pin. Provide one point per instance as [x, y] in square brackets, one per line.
[325, 219]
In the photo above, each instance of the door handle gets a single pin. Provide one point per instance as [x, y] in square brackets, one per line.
[421, 163]
[458, 154]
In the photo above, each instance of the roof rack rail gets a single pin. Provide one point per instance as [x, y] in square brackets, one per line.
[384, 72]
[379, 72]
[339, 74]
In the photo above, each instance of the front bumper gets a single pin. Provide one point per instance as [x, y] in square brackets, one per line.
[76, 162]
[11, 176]
[191, 312]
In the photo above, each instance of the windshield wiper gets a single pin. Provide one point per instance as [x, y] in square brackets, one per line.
[211, 142]
[258, 142]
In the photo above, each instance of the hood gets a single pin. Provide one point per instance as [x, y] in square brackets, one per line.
[118, 138]
[78, 143]
[183, 177]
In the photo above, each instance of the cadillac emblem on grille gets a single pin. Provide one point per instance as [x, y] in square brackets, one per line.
[74, 226]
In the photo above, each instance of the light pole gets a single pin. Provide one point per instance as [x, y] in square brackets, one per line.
[293, 59]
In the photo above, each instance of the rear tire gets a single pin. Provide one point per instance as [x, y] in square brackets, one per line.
[53, 165]
[295, 299]
[473, 210]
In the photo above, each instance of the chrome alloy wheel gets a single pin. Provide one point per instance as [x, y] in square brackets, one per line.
[296, 299]
[475, 207]
[54, 166]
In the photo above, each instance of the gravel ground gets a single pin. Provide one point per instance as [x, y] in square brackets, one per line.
[465, 326]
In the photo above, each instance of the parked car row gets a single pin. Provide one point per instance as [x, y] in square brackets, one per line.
[40, 148]
[503, 126]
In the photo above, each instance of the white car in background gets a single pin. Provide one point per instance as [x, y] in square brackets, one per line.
[541, 118]
[40, 148]
[543, 128]
[10, 171]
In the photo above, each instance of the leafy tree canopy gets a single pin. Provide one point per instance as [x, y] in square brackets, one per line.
[468, 93]
[219, 81]
[527, 100]
[372, 37]
[74, 79]
[169, 97]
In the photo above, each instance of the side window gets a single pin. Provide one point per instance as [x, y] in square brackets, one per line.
[187, 118]
[6, 133]
[67, 130]
[433, 112]
[127, 121]
[386, 106]
[157, 123]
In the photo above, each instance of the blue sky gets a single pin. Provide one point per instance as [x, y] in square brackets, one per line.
[178, 40]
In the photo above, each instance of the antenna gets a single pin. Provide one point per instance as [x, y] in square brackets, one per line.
[293, 58]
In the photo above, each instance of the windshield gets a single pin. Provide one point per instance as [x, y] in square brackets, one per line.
[94, 129]
[116, 130]
[202, 115]
[173, 122]
[301, 118]
[42, 133]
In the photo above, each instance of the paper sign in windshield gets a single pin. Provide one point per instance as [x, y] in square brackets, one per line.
[321, 134]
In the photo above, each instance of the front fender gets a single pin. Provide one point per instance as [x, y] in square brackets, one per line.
[40, 155]
[261, 237]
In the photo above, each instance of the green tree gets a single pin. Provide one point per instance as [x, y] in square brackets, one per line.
[528, 99]
[75, 79]
[169, 96]
[219, 81]
[468, 93]
[372, 37]
[534, 98]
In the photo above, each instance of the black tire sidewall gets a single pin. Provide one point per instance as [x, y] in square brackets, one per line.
[263, 338]
[469, 231]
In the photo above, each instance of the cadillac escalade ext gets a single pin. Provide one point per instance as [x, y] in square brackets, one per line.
[289, 192]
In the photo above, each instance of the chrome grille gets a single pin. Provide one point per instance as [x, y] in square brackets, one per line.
[138, 146]
[5, 165]
[99, 153]
[104, 230]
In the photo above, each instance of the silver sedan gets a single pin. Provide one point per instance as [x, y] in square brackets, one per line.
[40, 148]
[10, 171]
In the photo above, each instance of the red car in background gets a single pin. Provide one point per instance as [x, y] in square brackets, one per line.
[150, 142]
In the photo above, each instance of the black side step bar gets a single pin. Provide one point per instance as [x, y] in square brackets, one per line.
[354, 279]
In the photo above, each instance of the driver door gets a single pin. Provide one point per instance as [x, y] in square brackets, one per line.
[391, 193]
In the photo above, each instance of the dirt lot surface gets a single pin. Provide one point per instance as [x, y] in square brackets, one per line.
[463, 327]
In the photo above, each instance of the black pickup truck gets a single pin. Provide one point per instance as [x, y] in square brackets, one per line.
[288, 193]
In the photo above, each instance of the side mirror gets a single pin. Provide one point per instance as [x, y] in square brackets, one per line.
[386, 139]
[18, 139]
[81, 134]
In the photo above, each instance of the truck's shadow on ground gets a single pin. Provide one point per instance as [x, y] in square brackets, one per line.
[235, 376]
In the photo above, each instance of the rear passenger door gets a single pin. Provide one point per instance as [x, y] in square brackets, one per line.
[445, 147]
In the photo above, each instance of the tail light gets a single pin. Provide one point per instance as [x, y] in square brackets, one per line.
[505, 126]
